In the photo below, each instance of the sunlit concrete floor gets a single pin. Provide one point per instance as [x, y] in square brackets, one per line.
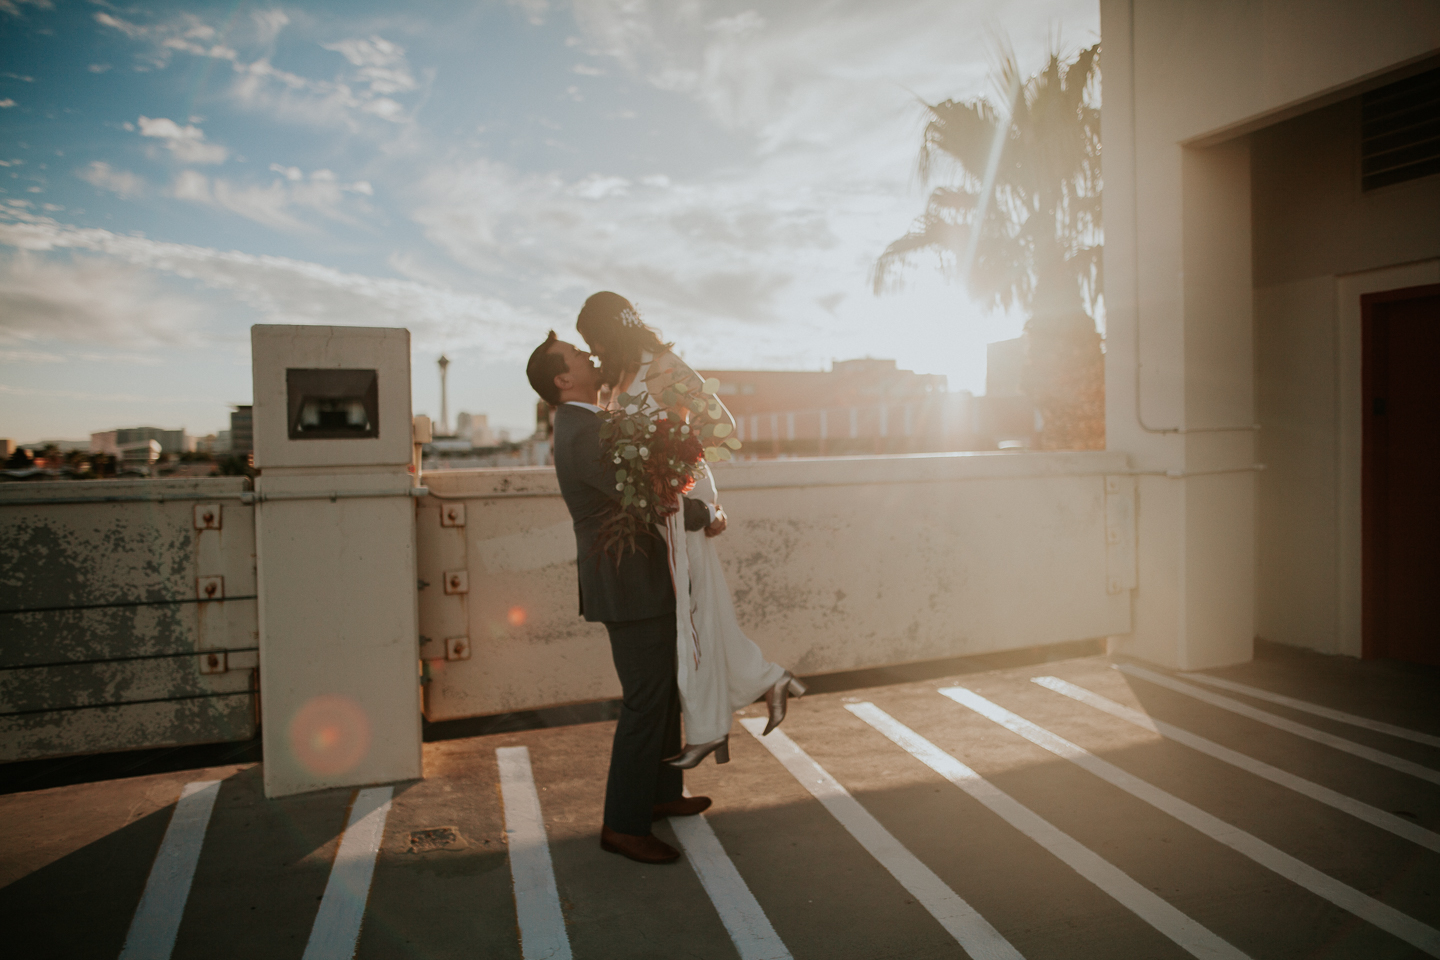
[75, 859]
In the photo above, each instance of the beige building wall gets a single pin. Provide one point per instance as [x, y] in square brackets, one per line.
[1185, 85]
[1321, 242]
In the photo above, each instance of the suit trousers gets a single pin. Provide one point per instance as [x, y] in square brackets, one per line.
[649, 727]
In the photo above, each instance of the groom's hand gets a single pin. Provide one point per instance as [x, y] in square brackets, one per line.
[718, 527]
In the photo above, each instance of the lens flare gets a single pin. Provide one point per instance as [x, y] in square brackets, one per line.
[330, 734]
[515, 616]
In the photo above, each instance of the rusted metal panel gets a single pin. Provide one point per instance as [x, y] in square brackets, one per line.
[88, 685]
[109, 593]
[130, 727]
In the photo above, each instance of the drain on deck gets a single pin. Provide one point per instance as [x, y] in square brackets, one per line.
[435, 838]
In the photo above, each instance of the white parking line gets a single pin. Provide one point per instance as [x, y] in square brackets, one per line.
[1185, 932]
[337, 924]
[1383, 819]
[745, 921]
[1407, 928]
[1282, 723]
[972, 931]
[157, 918]
[1315, 708]
[537, 901]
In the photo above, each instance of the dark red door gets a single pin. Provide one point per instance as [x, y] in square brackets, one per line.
[1401, 478]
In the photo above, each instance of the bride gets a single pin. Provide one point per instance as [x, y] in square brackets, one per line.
[720, 668]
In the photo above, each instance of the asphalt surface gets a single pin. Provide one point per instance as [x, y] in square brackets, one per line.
[75, 860]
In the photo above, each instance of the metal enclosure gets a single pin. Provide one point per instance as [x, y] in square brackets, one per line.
[127, 616]
[335, 532]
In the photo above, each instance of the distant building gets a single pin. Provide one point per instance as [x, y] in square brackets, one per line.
[112, 442]
[242, 430]
[858, 406]
[475, 427]
[140, 453]
[104, 442]
[1006, 415]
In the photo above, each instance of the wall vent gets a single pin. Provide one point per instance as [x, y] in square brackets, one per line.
[1400, 131]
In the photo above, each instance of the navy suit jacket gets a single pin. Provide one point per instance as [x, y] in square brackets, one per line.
[639, 588]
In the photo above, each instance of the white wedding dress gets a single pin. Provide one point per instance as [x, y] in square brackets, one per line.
[720, 668]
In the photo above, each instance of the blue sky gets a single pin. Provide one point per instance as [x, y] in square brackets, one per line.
[175, 172]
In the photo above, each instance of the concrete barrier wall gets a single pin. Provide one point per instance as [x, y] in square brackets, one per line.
[834, 564]
[127, 615]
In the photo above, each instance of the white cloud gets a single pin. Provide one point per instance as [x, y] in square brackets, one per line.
[533, 10]
[186, 143]
[122, 183]
[6, 103]
[191, 185]
[280, 203]
[88, 300]
[381, 72]
[269, 23]
[29, 356]
[100, 67]
[12, 7]
[278, 289]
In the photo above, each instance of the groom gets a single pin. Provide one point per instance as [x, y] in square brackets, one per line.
[635, 601]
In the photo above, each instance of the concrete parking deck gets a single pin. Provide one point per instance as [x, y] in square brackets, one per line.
[1113, 841]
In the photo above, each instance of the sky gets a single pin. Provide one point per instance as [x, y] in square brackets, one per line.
[172, 173]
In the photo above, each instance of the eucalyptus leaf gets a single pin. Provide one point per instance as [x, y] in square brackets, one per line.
[733, 443]
[710, 386]
[722, 429]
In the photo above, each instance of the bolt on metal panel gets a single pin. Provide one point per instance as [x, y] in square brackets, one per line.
[208, 516]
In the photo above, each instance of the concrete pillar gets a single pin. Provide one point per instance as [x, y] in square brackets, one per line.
[1179, 364]
[335, 545]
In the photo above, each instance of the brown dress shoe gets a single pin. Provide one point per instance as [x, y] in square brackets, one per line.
[684, 807]
[646, 849]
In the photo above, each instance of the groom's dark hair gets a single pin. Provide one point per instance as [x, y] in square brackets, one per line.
[543, 368]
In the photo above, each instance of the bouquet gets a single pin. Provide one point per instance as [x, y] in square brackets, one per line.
[657, 457]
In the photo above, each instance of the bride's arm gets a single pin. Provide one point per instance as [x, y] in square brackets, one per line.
[681, 391]
[668, 370]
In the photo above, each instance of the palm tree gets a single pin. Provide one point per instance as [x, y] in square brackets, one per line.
[1022, 226]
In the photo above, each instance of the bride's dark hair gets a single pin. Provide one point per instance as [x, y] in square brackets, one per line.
[612, 327]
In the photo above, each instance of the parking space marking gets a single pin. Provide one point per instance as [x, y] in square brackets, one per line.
[973, 932]
[750, 930]
[1283, 723]
[1383, 819]
[157, 917]
[1407, 928]
[1189, 935]
[1305, 706]
[342, 908]
[537, 900]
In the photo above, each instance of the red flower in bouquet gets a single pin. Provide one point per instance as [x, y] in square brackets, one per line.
[657, 457]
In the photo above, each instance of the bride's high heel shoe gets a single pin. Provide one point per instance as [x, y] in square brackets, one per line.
[692, 755]
[775, 697]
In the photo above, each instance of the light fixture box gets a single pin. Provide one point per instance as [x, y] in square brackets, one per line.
[331, 396]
